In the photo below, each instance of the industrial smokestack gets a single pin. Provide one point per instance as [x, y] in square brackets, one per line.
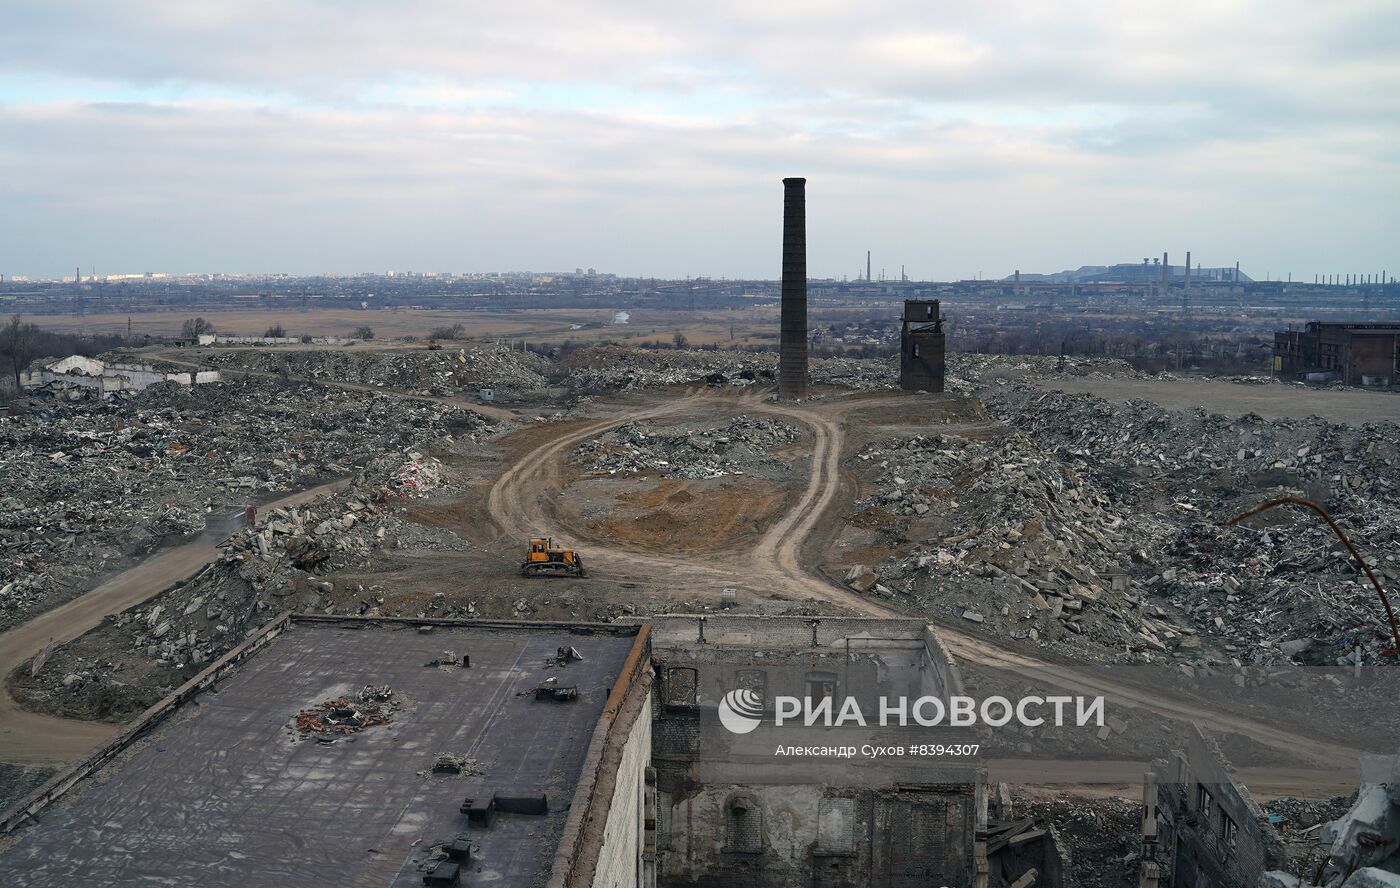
[792, 349]
[1188, 270]
[1017, 288]
[867, 253]
[1166, 274]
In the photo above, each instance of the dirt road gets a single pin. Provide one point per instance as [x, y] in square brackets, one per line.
[774, 569]
[30, 738]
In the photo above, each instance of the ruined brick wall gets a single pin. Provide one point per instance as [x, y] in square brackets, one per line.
[921, 360]
[1371, 356]
[732, 812]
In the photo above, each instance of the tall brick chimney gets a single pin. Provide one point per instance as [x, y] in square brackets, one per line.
[792, 349]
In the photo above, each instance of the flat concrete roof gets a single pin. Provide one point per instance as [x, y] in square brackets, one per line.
[226, 792]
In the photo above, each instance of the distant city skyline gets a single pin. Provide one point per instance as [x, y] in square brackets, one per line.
[1208, 272]
[955, 140]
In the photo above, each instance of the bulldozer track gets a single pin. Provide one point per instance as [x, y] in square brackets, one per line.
[775, 567]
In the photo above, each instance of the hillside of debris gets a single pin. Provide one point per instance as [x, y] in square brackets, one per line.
[279, 563]
[615, 368]
[95, 485]
[1100, 528]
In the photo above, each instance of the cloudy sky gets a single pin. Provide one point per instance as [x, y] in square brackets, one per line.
[957, 138]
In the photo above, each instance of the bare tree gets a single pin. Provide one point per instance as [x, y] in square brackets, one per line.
[194, 327]
[456, 331]
[18, 338]
[276, 331]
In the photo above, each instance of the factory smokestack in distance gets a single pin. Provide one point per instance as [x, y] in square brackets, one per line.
[792, 349]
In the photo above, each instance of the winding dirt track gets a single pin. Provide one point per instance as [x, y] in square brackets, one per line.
[774, 567]
[29, 737]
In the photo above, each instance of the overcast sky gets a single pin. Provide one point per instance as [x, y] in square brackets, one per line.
[651, 137]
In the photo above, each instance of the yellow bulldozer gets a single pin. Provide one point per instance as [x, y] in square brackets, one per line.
[546, 560]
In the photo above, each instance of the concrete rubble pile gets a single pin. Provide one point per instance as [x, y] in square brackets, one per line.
[278, 564]
[1288, 588]
[93, 486]
[444, 373]
[971, 369]
[611, 368]
[1015, 539]
[1103, 526]
[1098, 837]
[740, 448]
[1363, 845]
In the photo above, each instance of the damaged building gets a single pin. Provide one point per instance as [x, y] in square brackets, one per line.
[1354, 354]
[730, 812]
[365, 751]
[106, 377]
[1209, 830]
[1205, 830]
[398, 752]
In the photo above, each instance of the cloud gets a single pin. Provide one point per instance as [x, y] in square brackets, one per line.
[310, 135]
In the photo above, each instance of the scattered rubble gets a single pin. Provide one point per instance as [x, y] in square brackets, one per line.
[369, 708]
[1362, 844]
[455, 765]
[95, 485]
[1103, 526]
[280, 563]
[614, 368]
[441, 373]
[740, 448]
[1099, 836]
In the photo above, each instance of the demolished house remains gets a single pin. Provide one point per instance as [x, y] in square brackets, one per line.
[106, 377]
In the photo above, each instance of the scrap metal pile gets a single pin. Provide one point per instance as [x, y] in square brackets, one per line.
[740, 448]
[95, 485]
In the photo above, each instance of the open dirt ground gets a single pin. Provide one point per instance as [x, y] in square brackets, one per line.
[1236, 399]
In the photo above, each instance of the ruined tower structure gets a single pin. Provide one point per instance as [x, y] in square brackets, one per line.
[921, 347]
